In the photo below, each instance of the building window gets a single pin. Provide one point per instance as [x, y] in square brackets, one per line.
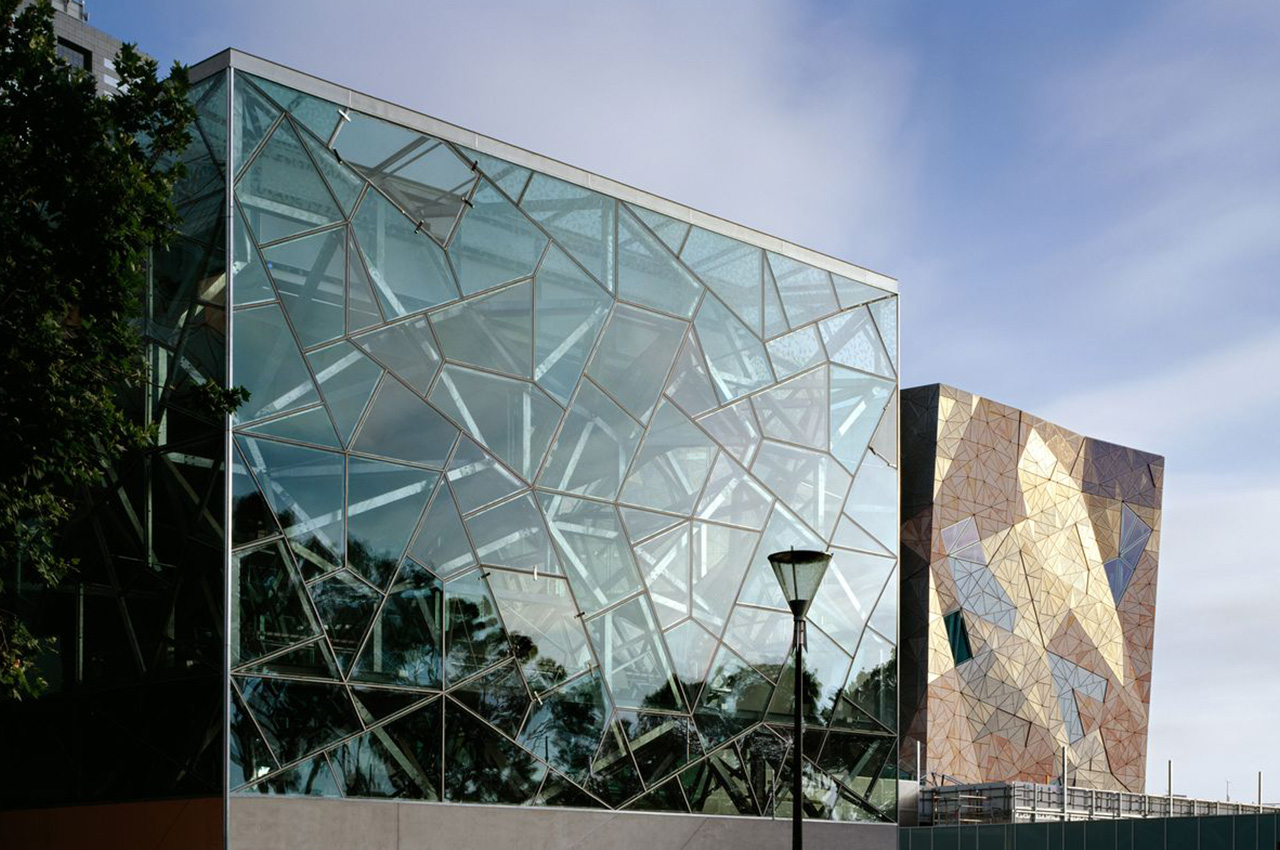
[74, 55]
[958, 637]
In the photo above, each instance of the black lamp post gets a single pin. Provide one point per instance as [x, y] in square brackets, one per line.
[799, 571]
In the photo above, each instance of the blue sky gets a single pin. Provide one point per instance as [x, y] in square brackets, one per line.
[1081, 201]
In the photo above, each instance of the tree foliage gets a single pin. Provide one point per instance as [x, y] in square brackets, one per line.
[85, 188]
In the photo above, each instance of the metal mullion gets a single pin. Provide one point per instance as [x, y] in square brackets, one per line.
[244, 669]
[239, 173]
[303, 234]
[234, 688]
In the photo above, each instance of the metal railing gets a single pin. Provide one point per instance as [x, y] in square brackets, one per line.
[1013, 802]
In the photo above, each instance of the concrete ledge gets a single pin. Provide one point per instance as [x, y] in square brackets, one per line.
[286, 823]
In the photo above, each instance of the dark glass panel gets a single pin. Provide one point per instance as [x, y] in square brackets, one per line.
[499, 697]
[482, 766]
[298, 718]
[474, 637]
[345, 605]
[404, 645]
[400, 759]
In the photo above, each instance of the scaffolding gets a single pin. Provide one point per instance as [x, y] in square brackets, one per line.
[1030, 802]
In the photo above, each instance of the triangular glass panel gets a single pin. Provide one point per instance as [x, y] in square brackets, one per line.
[282, 192]
[807, 292]
[783, 532]
[1118, 575]
[691, 647]
[848, 716]
[347, 379]
[734, 699]
[570, 309]
[404, 645]
[795, 411]
[249, 755]
[477, 479]
[795, 352]
[499, 697]
[345, 605]
[580, 220]
[545, 630]
[761, 637]
[441, 544]
[421, 174]
[732, 496]
[304, 489]
[344, 183]
[482, 766]
[641, 524]
[825, 669]
[409, 270]
[298, 718]
[251, 118]
[873, 501]
[400, 760]
[318, 116]
[649, 274]
[313, 660]
[310, 274]
[473, 636]
[671, 232]
[690, 385]
[731, 269]
[810, 483]
[594, 447]
[720, 785]
[667, 797]
[720, 557]
[634, 356]
[736, 430]
[560, 792]
[385, 501]
[661, 744]
[775, 319]
[492, 331]
[857, 402]
[306, 426]
[507, 176]
[249, 281]
[850, 535]
[674, 461]
[512, 535]
[664, 566]
[884, 442]
[565, 726]
[362, 305]
[311, 778]
[851, 340]
[735, 356]
[377, 704]
[589, 539]
[406, 348]
[852, 293]
[495, 243]
[266, 362]
[872, 681]
[613, 777]
[269, 600]
[211, 119]
[848, 595]
[401, 426]
[885, 313]
[511, 418]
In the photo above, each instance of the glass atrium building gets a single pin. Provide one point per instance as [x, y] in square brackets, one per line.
[495, 516]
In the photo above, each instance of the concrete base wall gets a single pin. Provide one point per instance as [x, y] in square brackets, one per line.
[278, 823]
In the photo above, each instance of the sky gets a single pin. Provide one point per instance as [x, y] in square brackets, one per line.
[1080, 200]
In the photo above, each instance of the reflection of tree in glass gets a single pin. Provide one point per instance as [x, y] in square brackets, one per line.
[480, 766]
[473, 636]
[366, 561]
[541, 671]
[876, 690]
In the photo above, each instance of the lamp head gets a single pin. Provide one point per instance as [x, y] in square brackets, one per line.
[799, 572]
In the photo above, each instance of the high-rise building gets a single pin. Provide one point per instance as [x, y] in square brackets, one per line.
[495, 516]
[1029, 587]
[84, 46]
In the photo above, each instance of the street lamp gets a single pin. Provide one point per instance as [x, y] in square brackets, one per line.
[799, 572]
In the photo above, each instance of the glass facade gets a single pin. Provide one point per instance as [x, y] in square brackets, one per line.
[514, 456]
